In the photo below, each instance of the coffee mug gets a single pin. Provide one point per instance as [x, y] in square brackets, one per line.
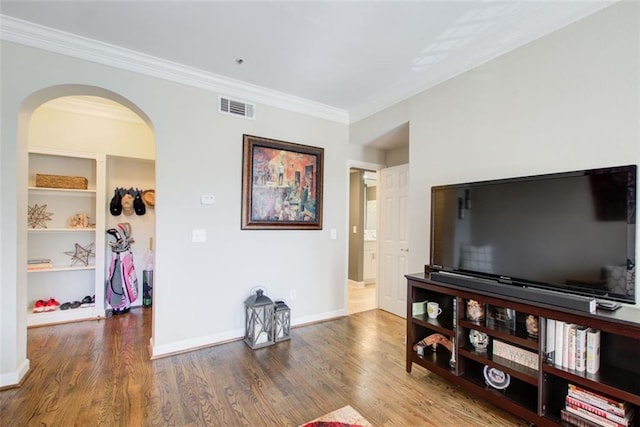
[433, 310]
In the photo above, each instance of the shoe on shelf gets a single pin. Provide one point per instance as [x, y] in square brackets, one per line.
[39, 306]
[88, 301]
[51, 305]
[65, 306]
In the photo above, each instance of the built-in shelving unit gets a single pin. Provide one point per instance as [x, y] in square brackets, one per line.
[66, 281]
[537, 394]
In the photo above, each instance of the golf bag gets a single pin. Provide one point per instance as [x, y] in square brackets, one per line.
[122, 282]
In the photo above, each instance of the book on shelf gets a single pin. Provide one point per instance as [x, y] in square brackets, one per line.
[601, 421]
[40, 266]
[581, 348]
[559, 342]
[550, 351]
[566, 336]
[576, 420]
[571, 341]
[572, 346]
[617, 420]
[593, 350]
[616, 407]
[38, 261]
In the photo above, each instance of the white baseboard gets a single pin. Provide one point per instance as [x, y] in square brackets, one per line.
[14, 378]
[192, 344]
[158, 351]
[301, 321]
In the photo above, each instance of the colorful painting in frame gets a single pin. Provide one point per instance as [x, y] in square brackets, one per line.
[281, 185]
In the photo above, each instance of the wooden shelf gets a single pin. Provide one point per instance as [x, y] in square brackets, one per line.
[60, 269]
[503, 334]
[64, 281]
[518, 393]
[60, 230]
[505, 365]
[61, 191]
[612, 380]
[63, 316]
[436, 361]
[537, 395]
[442, 326]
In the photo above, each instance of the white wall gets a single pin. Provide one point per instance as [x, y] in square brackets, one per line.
[367, 157]
[567, 101]
[200, 288]
[68, 130]
[397, 156]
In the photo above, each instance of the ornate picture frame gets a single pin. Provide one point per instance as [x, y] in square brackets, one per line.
[281, 185]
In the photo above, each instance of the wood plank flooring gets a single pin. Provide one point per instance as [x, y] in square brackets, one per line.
[361, 299]
[98, 373]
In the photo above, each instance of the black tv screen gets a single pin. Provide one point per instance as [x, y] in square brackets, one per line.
[571, 231]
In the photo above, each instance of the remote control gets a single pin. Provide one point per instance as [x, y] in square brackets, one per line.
[608, 305]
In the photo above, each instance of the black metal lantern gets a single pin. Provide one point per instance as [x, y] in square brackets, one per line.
[259, 314]
[281, 322]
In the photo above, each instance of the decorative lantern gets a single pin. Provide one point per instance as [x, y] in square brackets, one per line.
[258, 328]
[281, 322]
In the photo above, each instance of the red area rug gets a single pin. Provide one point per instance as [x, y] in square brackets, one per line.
[343, 417]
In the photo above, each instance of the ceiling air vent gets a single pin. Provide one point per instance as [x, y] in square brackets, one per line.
[236, 108]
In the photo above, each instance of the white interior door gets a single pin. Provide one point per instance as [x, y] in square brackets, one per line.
[394, 240]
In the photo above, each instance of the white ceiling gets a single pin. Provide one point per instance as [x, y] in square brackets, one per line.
[355, 56]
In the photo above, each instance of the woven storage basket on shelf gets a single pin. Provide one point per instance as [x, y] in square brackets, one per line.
[61, 181]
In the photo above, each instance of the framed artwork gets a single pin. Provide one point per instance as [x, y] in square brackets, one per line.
[281, 185]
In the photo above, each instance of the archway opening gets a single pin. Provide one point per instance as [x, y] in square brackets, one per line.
[79, 122]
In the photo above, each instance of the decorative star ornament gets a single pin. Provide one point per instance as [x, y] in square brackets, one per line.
[38, 215]
[81, 254]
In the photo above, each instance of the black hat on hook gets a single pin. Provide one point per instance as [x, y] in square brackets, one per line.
[115, 207]
[138, 203]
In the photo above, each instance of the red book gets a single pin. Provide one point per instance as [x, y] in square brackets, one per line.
[590, 416]
[621, 409]
[622, 421]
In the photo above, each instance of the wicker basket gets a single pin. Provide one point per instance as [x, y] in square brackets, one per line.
[61, 181]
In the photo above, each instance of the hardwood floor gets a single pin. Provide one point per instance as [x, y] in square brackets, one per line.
[99, 373]
[361, 299]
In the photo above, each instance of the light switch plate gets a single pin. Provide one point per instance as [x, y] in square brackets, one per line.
[199, 235]
[207, 199]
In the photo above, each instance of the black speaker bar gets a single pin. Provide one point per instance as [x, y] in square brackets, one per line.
[544, 296]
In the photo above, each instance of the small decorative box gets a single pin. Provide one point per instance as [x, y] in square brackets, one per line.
[515, 354]
[419, 307]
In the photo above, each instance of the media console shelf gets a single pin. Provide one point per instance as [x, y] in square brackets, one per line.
[537, 388]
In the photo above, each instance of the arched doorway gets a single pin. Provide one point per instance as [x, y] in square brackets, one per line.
[80, 108]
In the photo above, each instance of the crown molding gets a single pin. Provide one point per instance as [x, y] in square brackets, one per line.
[41, 37]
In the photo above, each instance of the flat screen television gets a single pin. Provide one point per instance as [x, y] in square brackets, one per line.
[573, 232]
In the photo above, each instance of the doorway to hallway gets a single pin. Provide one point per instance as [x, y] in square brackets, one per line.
[363, 259]
[361, 298]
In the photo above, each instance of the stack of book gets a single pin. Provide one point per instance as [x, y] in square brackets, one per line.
[572, 346]
[585, 408]
[39, 264]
